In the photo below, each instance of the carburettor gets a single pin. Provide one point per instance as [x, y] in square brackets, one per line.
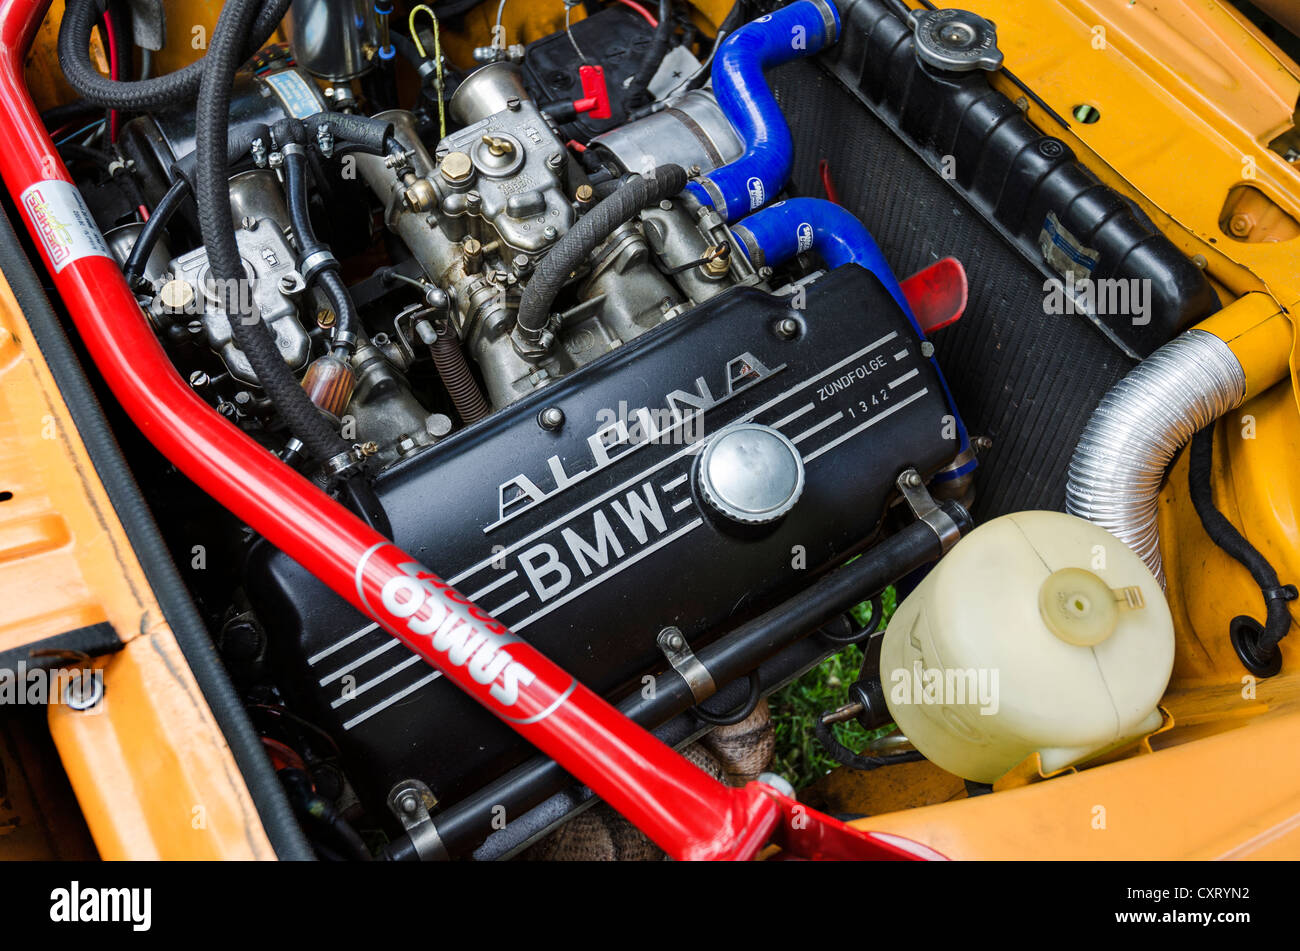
[507, 161]
[501, 192]
[270, 266]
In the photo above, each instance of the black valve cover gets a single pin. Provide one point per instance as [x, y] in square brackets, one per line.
[588, 539]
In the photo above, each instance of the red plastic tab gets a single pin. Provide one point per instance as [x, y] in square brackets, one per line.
[937, 294]
[595, 95]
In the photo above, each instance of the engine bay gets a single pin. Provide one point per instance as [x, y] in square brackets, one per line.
[588, 320]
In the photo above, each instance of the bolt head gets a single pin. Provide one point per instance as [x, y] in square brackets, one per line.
[85, 691]
[456, 167]
[788, 328]
[438, 425]
[552, 418]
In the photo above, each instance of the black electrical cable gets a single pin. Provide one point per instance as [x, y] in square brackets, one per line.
[635, 91]
[846, 757]
[326, 274]
[585, 236]
[170, 91]
[1256, 644]
[59, 116]
[75, 152]
[315, 806]
[217, 226]
[857, 637]
[167, 206]
[693, 81]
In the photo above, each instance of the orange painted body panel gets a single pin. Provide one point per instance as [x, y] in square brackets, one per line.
[151, 771]
[1234, 795]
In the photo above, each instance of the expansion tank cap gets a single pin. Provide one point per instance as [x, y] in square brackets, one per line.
[1080, 608]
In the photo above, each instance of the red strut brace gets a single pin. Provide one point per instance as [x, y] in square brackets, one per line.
[683, 810]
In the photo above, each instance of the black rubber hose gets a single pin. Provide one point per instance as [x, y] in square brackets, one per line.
[217, 226]
[239, 142]
[654, 56]
[325, 275]
[1256, 646]
[147, 542]
[153, 229]
[585, 236]
[366, 133]
[747, 706]
[406, 48]
[170, 91]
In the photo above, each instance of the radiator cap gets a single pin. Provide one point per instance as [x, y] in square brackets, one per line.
[956, 40]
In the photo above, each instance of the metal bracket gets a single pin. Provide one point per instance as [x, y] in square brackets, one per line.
[683, 660]
[923, 506]
[410, 801]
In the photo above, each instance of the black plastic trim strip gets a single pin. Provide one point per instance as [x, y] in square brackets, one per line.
[94, 640]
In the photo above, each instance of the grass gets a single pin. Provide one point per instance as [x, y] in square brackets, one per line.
[795, 708]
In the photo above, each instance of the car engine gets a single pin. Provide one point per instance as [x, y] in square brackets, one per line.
[571, 325]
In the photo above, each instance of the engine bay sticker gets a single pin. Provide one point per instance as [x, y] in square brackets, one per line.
[64, 223]
[295, 93]
[1065, 253]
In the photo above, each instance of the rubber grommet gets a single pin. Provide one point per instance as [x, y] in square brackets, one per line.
[1245, 632]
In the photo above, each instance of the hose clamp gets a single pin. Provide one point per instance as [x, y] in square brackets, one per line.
[316, 262]
[673, 643]
[1286, 592]
[924, 507]
[410, 801]
[344, 338]
[829, 20]
[749, 244]
[715, 194]
[342, 464]
[292, 148]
